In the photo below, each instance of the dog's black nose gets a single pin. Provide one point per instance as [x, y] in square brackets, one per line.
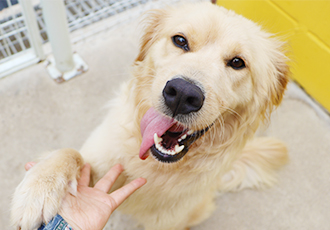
[183, 97]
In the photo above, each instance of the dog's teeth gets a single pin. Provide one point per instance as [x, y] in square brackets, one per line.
[182, 138]
[190, 132]
[169, 152]
[179, 148]
[158, 146]
[157, 139]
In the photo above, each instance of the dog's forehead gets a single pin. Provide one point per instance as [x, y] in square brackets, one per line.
[209, 23]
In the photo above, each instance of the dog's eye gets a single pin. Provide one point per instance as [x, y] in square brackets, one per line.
[180, 42]
[236, 63]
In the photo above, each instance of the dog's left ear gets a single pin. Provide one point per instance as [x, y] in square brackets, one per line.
[152, 24]
[272, 70]
[273, 74]
[282, 75]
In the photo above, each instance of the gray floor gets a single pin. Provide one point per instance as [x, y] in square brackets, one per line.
[37, 115]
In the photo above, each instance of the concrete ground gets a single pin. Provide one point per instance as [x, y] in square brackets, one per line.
[38, 114]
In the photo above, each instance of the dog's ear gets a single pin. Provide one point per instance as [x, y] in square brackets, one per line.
[272, 74]
[152, 24]
[282, 75]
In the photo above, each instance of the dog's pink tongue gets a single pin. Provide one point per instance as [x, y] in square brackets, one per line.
[151, 123]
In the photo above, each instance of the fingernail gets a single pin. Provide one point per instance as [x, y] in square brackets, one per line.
[28, 166]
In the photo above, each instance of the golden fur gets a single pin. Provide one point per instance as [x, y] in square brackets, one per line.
[226, 158]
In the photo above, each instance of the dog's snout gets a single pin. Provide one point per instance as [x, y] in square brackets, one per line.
[182, 97]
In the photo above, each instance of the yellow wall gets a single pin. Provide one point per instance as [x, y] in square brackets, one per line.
[306, 26]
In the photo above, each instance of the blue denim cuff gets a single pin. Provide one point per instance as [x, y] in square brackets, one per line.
[57, 223]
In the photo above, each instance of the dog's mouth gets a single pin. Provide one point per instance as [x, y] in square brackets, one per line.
[168, 140]
[172, 146]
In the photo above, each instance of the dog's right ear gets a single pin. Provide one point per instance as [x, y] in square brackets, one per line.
[151, 25]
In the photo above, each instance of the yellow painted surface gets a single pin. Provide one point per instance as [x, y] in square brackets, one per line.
[306, 26]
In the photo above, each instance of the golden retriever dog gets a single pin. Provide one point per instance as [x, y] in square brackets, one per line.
[204, 80]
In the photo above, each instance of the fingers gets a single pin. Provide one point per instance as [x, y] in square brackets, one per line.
[124, 192]
[85, 175]
[106, 182]
[29, 165]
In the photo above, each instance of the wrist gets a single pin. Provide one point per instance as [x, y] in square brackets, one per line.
[70, 222]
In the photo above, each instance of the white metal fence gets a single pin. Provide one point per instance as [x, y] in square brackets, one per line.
[20, 42]
[13, 35]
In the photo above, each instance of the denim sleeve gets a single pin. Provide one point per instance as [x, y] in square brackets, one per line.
[57, 223]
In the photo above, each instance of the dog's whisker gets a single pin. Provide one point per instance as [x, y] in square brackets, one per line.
[143, 86]
[221, 130]
[232, 111]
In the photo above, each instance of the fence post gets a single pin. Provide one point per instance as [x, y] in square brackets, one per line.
[66, 64]
[32, 27]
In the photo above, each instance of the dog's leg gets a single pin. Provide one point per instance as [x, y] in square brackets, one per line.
[256, 165]
[38, 197]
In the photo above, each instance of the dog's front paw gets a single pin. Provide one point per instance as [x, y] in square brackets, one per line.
[38, 197]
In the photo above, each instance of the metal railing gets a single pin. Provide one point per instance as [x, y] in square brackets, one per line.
[23, 29]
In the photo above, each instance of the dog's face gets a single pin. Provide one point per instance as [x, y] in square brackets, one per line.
[203, 66]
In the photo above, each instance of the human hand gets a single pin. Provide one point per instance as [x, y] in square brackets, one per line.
[91, 208]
